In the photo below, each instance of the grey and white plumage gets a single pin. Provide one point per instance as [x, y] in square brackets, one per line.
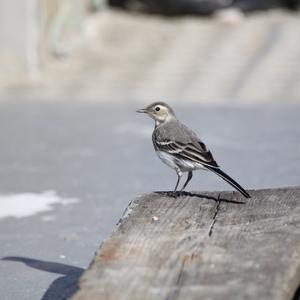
[180, 148]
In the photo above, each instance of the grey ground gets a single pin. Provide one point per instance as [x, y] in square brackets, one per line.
[103, 156]
[54, 138]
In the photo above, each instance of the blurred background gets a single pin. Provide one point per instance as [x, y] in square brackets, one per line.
[74, 152]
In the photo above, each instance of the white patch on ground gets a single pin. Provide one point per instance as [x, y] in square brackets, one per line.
[28, 204]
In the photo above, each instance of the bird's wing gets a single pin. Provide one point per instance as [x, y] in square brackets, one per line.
[194, 151]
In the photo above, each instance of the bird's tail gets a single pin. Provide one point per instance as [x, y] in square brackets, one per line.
[227, 178]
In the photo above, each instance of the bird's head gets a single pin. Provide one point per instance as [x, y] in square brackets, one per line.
[158, 111]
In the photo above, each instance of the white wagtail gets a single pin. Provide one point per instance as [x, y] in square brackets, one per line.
[180, 148]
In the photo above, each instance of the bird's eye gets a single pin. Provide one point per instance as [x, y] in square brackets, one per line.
[157, 108]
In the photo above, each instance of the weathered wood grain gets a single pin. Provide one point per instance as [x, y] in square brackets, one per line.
[162, 249]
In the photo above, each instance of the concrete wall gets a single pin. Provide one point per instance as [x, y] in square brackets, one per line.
[31, 29]
[19, 37]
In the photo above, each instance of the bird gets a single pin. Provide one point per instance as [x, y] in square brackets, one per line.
[180, 148]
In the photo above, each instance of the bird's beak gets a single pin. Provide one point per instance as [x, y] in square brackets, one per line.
[143, 110]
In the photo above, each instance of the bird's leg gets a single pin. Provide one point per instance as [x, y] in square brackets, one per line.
[190, 175]
[179, 174]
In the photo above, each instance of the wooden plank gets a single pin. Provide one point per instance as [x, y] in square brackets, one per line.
[162, 249]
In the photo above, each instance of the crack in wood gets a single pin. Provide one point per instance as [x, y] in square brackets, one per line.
[185, 258]
[175, 293]
[214, 217]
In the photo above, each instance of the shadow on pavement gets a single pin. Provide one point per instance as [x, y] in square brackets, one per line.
[61, 288]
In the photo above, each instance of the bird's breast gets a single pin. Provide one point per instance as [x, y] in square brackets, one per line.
[182, 164]
[167, 159]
